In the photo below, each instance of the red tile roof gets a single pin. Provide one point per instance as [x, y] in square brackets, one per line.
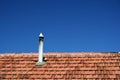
[61, 66]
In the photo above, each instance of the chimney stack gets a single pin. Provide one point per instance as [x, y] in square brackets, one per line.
[40, 56]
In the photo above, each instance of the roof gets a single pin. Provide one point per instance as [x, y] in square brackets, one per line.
[61, 66]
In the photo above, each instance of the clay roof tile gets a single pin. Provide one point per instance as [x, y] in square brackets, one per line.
[62, 66]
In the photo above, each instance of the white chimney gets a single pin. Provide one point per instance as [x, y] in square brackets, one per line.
[40, 56]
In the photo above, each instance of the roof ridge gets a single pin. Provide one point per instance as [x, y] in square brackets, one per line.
[59, 54]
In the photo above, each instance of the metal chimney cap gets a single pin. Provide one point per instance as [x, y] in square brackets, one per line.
[41, 35]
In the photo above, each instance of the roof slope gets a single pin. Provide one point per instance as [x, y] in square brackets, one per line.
[61, 66]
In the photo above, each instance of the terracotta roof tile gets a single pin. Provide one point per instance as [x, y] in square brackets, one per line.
[61, 66]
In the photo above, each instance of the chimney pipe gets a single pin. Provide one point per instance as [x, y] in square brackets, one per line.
[40, 55]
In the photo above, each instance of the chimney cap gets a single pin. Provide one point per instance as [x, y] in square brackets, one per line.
[41, 35]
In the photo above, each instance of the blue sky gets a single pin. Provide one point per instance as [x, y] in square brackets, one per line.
[68, 25]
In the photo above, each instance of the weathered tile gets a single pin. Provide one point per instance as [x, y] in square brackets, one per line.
[62, 66]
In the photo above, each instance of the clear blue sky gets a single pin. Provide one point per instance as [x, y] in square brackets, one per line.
[68, 25]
